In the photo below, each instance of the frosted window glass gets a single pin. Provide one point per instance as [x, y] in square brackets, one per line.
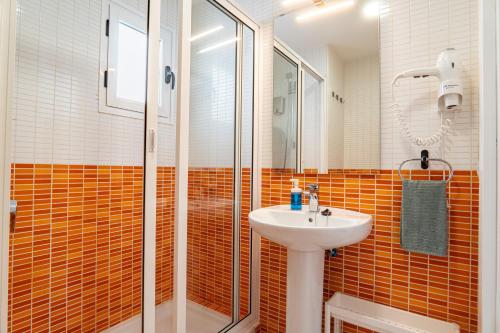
[131, 68]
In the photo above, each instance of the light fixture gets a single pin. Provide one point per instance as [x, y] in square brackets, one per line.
[216, 46]
[371, 9]
[326, 9]
[287, 3]
[205, 33]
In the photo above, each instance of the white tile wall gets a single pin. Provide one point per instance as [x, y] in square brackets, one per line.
[316, 57]
[335, 110]
[266, 117]
[213, 89]
[55, 99]
[55, 118]
[361, 108]
[413, 33]
[212, 117]
[261, 11]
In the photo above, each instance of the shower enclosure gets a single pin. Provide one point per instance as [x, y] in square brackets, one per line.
[298, 99]
[116, 184]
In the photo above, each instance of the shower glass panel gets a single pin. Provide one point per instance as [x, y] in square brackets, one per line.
[75, 259]
[285, 102]
[311, 119]
[165, 176]
[211, 167]
[220, 168]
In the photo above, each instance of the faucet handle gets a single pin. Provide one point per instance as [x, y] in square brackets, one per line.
[313, 187]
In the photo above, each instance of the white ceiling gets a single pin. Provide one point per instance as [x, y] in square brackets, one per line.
[347, 30]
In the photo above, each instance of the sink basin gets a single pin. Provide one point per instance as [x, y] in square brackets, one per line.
[308, 231]
[306, 235]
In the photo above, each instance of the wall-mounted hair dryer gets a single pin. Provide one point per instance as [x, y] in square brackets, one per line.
[447, 70]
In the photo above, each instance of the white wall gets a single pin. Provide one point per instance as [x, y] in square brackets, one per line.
[316, 57]
[362, 113]
[311, 121]
[413, 33]
[55, 115]
[335, 111]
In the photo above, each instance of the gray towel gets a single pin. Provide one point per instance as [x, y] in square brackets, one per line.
[424, 217]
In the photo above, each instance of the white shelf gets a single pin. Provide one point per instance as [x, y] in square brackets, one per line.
[380, 318]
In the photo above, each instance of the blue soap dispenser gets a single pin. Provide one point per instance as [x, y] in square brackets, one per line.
[295, 195]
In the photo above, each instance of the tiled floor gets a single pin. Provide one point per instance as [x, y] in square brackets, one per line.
[200, 319]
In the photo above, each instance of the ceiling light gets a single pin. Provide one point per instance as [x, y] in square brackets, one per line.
[206, 33]
[327, 9]
[287, 3]
[216, 46]
[371, 9]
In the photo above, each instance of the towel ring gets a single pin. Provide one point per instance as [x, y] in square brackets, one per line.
[450, 177]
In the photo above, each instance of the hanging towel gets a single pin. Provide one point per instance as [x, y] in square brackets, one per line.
[424, 217]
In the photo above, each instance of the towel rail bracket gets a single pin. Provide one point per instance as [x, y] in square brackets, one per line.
[424, 159]
[424, 163]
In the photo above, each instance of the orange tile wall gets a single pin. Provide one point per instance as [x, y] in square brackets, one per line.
[210, 239]
[378, 269]
[245, 243]
[76, 255]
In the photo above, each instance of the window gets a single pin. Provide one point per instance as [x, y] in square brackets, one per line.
[123, 65]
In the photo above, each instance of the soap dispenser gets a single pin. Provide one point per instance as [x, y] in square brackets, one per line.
[295, 195]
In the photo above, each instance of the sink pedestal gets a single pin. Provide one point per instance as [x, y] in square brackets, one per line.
[304, 304]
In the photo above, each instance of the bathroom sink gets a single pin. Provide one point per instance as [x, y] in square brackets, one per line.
[308, 231]
[306, 235]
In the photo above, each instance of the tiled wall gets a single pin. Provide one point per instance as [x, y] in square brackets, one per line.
[56, 116]
[76, 254]
[378, 269]
[412, 34]
[361, 126]
[210, 239]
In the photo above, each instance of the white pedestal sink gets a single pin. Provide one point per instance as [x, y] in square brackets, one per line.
[307, 235]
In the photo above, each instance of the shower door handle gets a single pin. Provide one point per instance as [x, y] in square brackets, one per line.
[169, 76]
[13, 214]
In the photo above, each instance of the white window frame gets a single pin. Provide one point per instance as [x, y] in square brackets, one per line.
[118, 14]
[108, 102]
[166, 113]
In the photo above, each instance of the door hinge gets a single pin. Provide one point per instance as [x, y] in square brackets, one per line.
[152, 141]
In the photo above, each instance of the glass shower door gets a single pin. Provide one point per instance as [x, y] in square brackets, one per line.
[220, 168]
[285, 111]
[211, 167]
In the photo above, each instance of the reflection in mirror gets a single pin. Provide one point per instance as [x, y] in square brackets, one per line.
[312, 96]
[336, 42]
[285, 73]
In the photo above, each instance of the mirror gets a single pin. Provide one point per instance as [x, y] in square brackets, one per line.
[326, 105]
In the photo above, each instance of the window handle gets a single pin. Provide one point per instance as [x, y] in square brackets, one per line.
[169, 76]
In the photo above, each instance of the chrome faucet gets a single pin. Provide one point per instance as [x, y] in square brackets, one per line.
[312, 194]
